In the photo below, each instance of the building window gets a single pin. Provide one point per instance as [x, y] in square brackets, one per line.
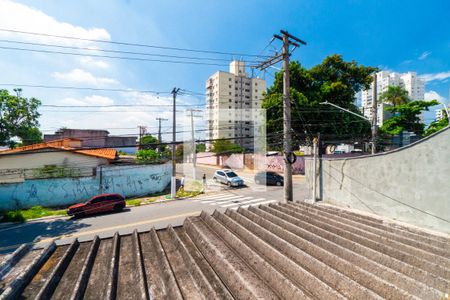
[229, 86]
[229, 79]
[229, 93]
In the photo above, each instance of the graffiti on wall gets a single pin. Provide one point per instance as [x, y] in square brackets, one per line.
[136, 181]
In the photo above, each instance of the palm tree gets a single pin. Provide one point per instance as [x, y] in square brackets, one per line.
[395, 95]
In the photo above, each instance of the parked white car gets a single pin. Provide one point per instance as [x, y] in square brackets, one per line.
[228, 177]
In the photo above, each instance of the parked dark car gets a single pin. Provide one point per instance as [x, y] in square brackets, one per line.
[98, 204]
[269, 178]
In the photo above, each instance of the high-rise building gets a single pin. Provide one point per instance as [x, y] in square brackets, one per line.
[409, 81]
[231, 97]
[440, 113]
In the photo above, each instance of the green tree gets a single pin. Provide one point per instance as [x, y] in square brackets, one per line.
[18, 118]
[149, 142]
[437, 125]
[395, 95]
[200, 147]
[148, 156]
[407, 117]
[334, 80]
[225, 146]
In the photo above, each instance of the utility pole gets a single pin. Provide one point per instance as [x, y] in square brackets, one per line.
[374, 114]
[142, 131]
[194, 152]
[287, 39]
[173, 184]
[159, 132]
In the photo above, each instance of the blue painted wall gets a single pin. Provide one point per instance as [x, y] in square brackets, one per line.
[128, 181]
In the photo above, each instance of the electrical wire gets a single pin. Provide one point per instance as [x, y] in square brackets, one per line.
[125, 43]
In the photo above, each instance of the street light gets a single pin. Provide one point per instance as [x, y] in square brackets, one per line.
[346, 110]
[350, 112]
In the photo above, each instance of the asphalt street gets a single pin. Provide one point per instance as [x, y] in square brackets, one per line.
[142, 218]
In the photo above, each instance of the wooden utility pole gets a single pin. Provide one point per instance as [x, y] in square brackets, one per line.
[287, 39]
[173, 185]
[287, 144]
[159, 132]
[142, 131]
[374, 114]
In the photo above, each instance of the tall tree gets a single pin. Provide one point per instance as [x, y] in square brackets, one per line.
[395, 95]
[407, 117]
[334, 80]
[437, 125]
[18, 119]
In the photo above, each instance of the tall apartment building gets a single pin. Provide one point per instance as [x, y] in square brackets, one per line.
[231, 97]
[440, 113]
[409, 81]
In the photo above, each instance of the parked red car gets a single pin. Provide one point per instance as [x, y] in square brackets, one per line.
[98, 204]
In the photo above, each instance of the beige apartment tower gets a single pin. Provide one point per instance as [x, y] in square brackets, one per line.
[230, 98]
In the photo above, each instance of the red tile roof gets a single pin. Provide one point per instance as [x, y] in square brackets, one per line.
[68, 144]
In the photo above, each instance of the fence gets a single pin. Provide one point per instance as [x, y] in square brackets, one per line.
[127, 180]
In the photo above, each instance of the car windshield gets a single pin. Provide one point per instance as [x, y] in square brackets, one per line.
[231, 174]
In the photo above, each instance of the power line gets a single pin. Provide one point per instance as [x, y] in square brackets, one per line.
[117, 105]
[83, 88]
[113, 57]
[117, 51]
[126, 43]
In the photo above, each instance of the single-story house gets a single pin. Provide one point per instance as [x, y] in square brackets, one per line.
[60, 157]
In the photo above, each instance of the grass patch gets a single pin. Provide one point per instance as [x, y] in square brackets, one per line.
[35, 212]
[133, 202]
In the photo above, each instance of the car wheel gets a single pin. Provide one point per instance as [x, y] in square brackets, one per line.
[229, 184]
[215, 179]
[118, 207]
[278, 183]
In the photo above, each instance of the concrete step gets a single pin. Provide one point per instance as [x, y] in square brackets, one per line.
[18, 279]
[383, 279]
[400, 262]
[160, 278]
[423, 241]
[351, 282]
[257, 263]
[209, 283]
[241, 281]
[96, 284]
[356, 232]
[390, 226]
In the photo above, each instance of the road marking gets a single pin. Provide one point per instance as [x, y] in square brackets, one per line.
[210, 197]
[221, 199]
[190, 214]
[228, 201]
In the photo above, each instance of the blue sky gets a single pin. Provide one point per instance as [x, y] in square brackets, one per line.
[396, 35]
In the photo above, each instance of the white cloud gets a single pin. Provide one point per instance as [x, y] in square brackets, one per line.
[88, 100]
[94, 63]
[424, 55]
[433, 95]
[435, 76]
[84, 77]
[21, 17]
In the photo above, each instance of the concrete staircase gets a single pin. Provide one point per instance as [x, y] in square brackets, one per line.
[290, 251]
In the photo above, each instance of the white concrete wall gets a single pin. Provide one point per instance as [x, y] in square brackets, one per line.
[410, 184]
